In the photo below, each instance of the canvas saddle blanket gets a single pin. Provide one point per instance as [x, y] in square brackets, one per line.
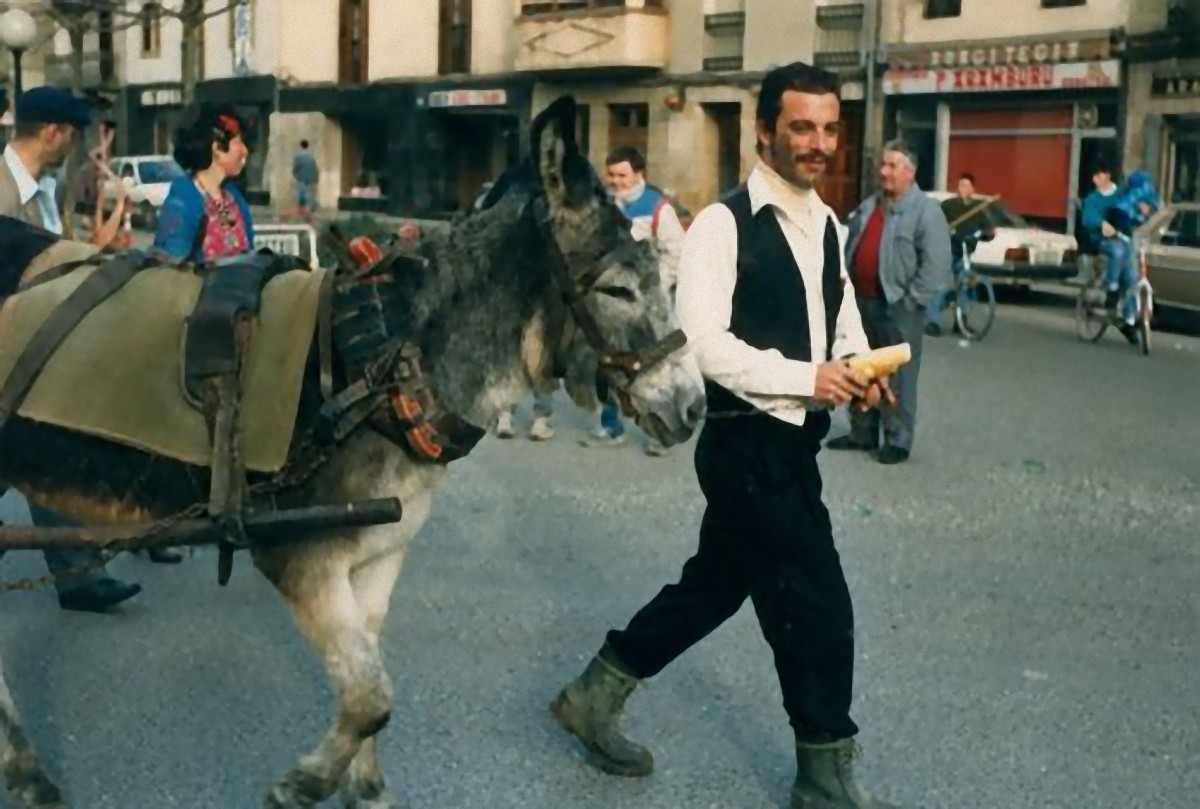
[120, 374]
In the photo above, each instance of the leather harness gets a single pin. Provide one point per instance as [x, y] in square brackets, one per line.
[617, 370]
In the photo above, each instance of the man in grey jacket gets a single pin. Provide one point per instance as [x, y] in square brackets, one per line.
[898, 257]
[47, 122]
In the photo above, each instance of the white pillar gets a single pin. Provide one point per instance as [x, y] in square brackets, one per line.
[941, 160]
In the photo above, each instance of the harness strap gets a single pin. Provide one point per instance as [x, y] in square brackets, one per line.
[618, 368]
[325, 333]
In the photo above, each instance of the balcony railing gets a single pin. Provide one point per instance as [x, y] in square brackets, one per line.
[99, 70]
[841, 15]
[537, 8]
[725, 22]
[837, 48]
[722, 64]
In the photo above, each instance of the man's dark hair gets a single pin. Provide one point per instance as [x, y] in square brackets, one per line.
[303, 144]
[1102, 167]
[968, 176]
[797, 76]
[200, 127]
[627, 154]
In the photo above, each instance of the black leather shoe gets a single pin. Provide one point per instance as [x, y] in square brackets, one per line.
[933, 330]
[893, 455]
[847, 442]
[99, 596]
[1129, 331]
[164, 556]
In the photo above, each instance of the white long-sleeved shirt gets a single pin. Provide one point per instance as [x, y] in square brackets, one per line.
[704, 300]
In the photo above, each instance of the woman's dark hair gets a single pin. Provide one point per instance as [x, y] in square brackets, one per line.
[797, 76]
[199, 128]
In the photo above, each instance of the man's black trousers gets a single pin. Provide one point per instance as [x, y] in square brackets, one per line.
[767, 535]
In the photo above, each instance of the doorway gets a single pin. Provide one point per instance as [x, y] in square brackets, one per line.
[726, 118]
[478, 148]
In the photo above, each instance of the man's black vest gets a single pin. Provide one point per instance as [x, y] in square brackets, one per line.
[770, 303]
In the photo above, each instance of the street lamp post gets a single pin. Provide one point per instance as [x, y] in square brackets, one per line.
[17, 32]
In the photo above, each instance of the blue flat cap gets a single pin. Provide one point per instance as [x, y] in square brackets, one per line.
[50, 105]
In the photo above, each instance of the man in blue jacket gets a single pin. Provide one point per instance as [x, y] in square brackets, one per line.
[1110, 223]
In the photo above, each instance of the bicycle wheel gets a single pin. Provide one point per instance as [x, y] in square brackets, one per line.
[976, 313]
[1091, 319]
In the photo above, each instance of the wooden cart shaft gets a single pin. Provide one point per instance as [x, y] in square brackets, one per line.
[265, 527]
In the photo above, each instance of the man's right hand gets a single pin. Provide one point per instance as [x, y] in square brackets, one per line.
[838, 383]
[1108, 230]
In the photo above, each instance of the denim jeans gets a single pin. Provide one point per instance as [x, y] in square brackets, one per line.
[59, 561]
[610, 420]
[1120, 273]
[543, 404]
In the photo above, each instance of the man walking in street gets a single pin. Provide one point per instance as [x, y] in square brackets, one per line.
[898, 251]
[47, 122]
[307, 175]
[652, 217]
[772, 350]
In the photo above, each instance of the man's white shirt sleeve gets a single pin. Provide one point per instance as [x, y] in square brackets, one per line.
[848, 337]
[704, 305]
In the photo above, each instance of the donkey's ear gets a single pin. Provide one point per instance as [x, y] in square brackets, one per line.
[552, 142]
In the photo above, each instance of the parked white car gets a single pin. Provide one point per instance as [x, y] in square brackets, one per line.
[147, 178]
[1021, 253]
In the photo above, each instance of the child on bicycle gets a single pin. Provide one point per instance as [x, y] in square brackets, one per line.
[974, 227]
[1111, 215]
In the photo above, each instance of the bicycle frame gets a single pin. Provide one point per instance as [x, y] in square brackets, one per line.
[1143, 286]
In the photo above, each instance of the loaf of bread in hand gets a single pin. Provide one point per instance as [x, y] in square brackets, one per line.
[881, 361]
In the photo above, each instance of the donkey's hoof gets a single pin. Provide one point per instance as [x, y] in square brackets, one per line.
[33, 790]
[383, 802]
[367, 794]
[300, 790]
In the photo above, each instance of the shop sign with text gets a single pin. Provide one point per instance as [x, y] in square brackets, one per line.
[1004, 54]
[1071, 76]
[468, 98]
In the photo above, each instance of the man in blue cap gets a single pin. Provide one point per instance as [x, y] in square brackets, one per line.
[47, 122]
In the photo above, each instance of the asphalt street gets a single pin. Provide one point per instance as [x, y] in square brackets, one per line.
[1026, 596]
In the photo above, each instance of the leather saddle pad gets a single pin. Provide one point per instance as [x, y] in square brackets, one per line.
[119, 374]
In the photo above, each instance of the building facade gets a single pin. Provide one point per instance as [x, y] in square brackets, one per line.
[1163, 120]
[679, 79]
[432, 120]
[1026, 95]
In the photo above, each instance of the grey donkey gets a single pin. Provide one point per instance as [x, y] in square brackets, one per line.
[489, 318]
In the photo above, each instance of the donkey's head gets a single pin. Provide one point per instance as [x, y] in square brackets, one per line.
[617, 308]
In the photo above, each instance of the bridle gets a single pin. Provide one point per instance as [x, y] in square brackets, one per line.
[617, 370]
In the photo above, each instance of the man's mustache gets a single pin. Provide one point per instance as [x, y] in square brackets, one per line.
[812, 157]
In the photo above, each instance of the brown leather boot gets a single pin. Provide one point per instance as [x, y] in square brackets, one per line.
[825, 778]
[590, 707]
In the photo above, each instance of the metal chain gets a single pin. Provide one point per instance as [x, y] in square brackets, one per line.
[297, 476]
